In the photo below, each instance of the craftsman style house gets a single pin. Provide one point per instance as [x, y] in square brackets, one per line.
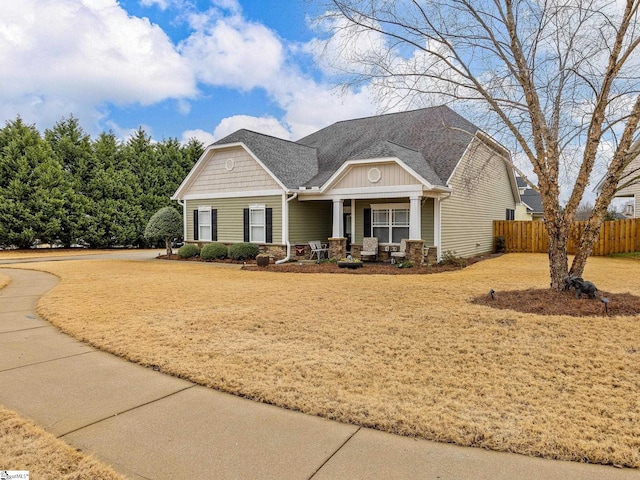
[427, 176]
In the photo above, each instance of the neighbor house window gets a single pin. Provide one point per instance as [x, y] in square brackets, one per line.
[204, 224]
[257, 224]
[390, 223]
[511, 214]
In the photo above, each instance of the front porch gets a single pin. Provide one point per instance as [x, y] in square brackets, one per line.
[414, 218]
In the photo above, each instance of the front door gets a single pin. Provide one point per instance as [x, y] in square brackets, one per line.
[346, 226]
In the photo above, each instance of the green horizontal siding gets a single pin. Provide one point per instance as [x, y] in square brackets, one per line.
[311, 220]
[231, 219]
[481, 194]
[427, 222]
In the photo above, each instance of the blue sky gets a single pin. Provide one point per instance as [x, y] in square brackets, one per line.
[178, 68]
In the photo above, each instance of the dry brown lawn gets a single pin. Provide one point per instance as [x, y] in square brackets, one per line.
[55, 252]
[408, 354]
[24, 446]
[4, 280]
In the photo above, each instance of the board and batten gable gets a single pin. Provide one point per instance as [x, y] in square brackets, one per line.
[230, 170]
[482, 192]
[230, 214]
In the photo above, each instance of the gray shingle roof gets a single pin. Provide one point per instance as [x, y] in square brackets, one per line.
[438, 133]
[532, 199]
[294, 164]
[431, 141]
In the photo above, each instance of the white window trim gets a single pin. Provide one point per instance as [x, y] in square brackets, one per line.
[390, 207]
[204, 212]
[263, 225]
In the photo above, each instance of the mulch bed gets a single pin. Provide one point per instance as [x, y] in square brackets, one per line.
[551, 302]
[368, 268]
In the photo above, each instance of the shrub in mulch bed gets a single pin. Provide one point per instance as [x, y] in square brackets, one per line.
[369, 268]
[551, 302]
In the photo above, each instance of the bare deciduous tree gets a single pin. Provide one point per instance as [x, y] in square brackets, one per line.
[562, 78]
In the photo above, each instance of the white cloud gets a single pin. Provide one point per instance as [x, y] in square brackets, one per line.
[162, 4]
[81, 55]
[229, 51]
[205, 137]
[233, 53]
[267, 125]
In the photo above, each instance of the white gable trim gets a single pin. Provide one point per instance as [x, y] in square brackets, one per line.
[501, 152]
[195, 171]
[346, 166]
[255, 193]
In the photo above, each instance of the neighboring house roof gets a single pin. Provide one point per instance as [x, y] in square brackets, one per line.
[532, 199]
[438, 133]
[521, 182]
[293, 164]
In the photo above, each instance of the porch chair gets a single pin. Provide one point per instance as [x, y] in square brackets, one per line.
[401, 253]
[318, 249]
[369, 248]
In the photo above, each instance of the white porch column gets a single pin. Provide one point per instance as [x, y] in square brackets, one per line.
[337, 218]
[353, 220]
[415, 216]
[437, 226]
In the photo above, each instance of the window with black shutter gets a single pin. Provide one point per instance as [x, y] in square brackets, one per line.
[195, 224]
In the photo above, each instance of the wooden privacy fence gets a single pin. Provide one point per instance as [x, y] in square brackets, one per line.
[618, 236]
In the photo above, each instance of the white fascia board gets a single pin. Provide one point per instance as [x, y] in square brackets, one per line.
[598, 186]
[374, 192]
[252, 193]
[199, 165]
[371, 161]
[492, 144]
[364, 193]
[501, 151]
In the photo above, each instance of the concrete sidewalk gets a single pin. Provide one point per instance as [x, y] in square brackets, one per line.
[148, 425]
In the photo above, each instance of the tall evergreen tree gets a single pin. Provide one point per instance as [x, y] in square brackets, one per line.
[113, 214]
[72, 148]
[33, 188]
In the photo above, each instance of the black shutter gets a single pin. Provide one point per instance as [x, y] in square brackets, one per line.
[367, 222]
[214, 225]
[269, 225]
[195, 224]
[246, 224]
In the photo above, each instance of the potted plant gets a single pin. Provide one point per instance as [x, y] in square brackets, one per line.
[350, 262]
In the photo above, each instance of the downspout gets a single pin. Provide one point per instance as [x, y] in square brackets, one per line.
[438, 241]
[184, 219]
[285, 216]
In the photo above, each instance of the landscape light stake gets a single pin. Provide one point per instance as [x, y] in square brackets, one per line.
[491, 292]
[605, 300]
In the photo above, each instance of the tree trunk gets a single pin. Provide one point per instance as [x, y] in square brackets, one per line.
[558, 261]
[167, 243]
[588, 238]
